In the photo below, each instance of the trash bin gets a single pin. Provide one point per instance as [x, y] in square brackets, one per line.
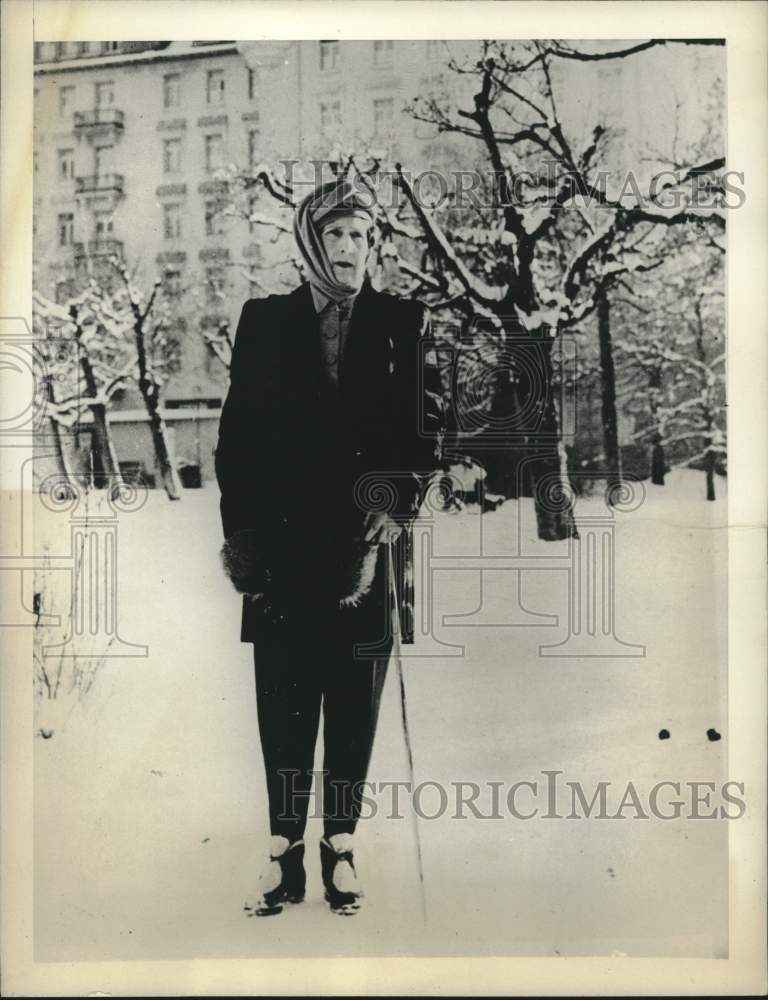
[191, 477]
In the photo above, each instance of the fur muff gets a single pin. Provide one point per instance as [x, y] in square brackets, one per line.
[243, 562]
[357, 571]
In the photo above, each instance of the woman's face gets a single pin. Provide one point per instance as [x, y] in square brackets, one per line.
[346, 242]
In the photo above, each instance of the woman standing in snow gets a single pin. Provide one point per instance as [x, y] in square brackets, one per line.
[326, 397]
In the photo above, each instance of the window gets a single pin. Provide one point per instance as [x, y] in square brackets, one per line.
[104, 93]
[214, 286]
[383, 114]
[382, 52]
[171, 156]
[253, 146]
[214, 222]
[253, 207]
[83, 48]
[330, 115]
[103, 225]
[66, 225]
[66, 99]
[174, 354]
[210, 403]
[102, 160]
[251, 84]
[172, 282]
[212, 363]
[109, 47]
[329, 56]
[60, 50]
[38, 51]
[214, 151]
[66, 164]
[171, 90]
[172, 221]
[214, 86]
[64, 291]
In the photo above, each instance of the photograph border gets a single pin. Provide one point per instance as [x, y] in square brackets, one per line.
[744, 25]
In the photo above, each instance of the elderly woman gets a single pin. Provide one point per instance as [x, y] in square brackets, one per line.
[327, 435]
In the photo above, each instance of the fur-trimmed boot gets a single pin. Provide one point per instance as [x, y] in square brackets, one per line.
[282, 881]
[342, 890]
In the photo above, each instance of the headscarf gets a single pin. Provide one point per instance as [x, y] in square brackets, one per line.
[336, 198]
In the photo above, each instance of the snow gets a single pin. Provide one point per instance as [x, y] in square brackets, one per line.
[149, 797]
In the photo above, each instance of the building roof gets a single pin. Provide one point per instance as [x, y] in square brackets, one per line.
[132, 53]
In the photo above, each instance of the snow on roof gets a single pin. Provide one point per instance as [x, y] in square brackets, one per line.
[170, 50]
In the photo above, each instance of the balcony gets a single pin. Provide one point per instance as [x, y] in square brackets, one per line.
[100, 118]
[105, 247]
[99, 182]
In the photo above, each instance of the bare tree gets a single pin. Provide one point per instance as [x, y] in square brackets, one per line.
[674, 352]
[148, 326]
[122, 341]
[102, 365]
[540, 168]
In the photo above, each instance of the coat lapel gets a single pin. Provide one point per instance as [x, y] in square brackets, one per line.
[302, 328]
[365, 358]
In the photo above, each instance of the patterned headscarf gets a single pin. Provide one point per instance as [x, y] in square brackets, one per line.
[336, 198]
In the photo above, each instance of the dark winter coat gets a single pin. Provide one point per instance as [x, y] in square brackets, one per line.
[297, 458]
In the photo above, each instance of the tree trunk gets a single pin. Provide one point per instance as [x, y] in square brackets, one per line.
[710, 469]
[550, 486]
[658, 464]
[611, 448]
[151, 396]
[61, 455]
[658, 457]
[106, 468]
[709, 458]
[171, 480]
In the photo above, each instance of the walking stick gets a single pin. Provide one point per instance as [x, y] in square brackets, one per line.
[397, 651]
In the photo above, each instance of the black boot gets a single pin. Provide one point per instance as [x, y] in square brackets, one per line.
[282, 881]
[342, 891]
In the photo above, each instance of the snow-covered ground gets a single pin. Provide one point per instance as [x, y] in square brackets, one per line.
[149, 797]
